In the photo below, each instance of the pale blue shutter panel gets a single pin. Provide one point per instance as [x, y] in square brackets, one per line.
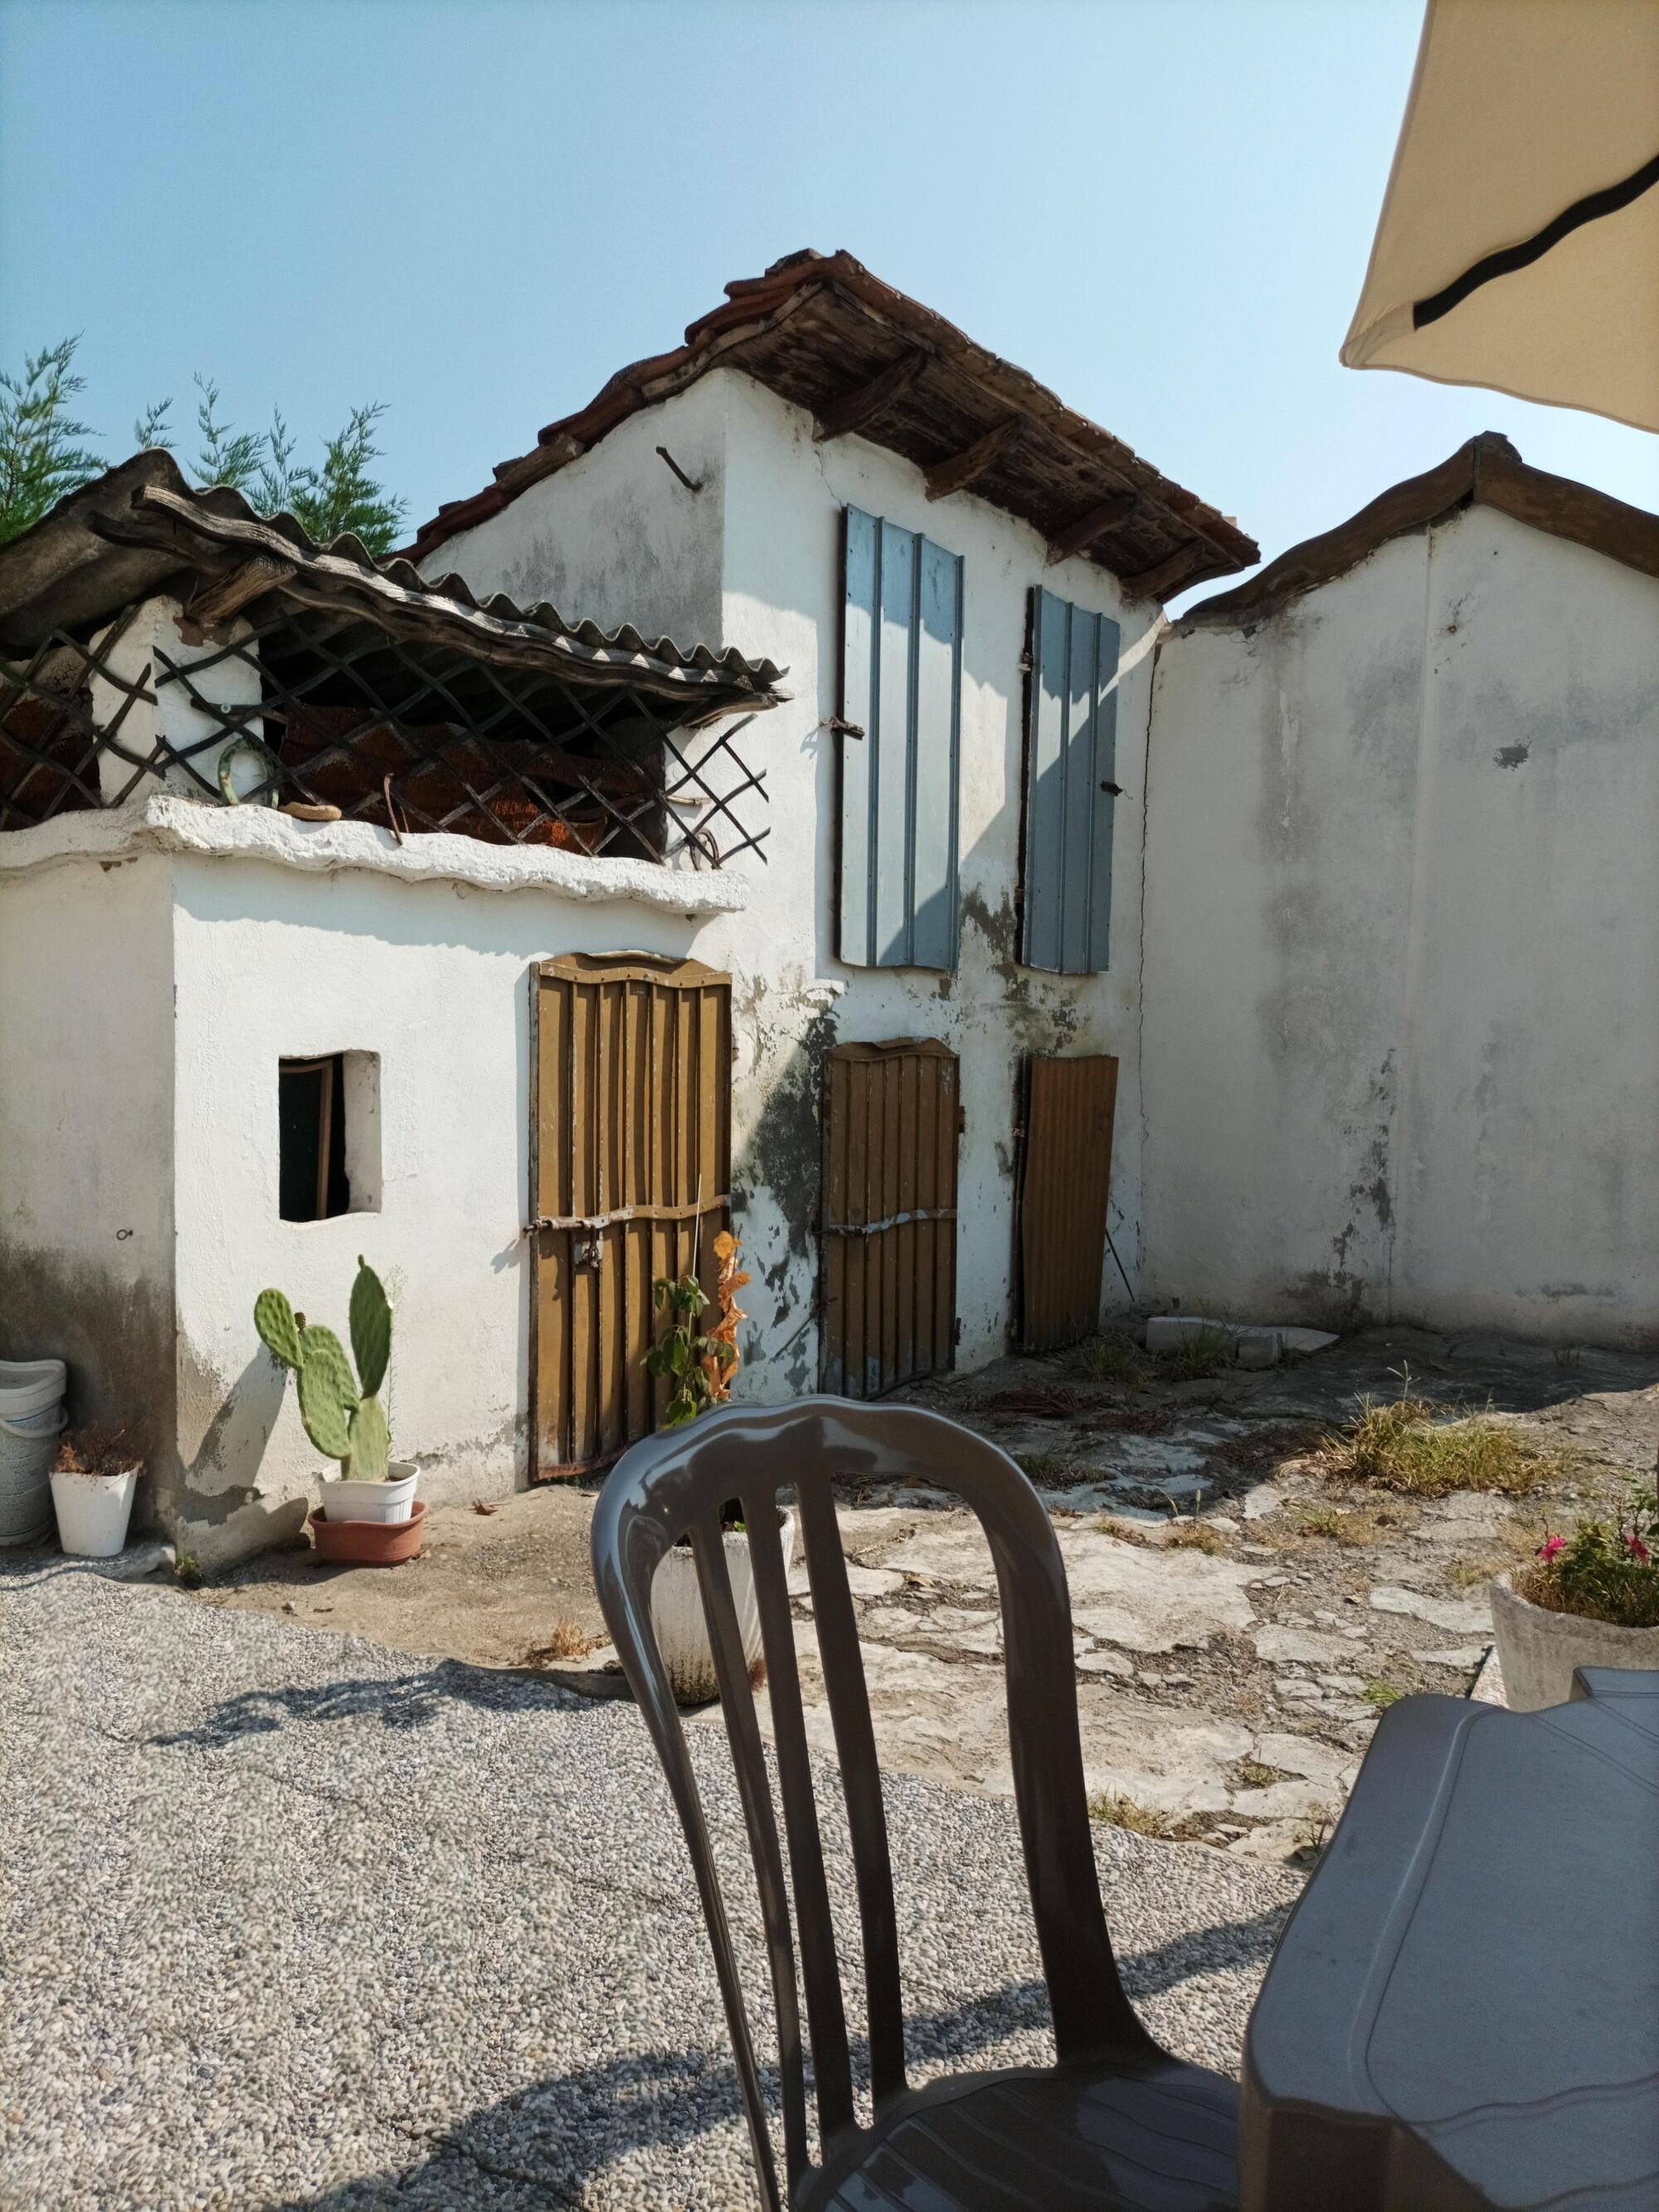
[902, 687]
[1070, 753]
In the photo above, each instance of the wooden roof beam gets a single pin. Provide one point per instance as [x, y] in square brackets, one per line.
[838, 418]
[229, 593]
[959, 470]
[1157, 583]
[1111, 514]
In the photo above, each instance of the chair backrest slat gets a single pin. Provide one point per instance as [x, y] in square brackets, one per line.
[623, 1570]
[755, 1793]
[674, 1484]
[861, 1781]
[826, 2013]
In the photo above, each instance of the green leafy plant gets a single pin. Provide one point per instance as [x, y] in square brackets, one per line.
[1606, 1569]
[44, 456]
[342, 1414]
[683, 1354]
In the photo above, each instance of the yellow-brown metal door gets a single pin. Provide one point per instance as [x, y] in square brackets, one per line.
[1065, 1182]
[630, 1165]
[890, 1127]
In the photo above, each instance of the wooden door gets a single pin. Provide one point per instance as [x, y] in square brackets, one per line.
[630, 1165]
[1065, 1181]
[891, 1124]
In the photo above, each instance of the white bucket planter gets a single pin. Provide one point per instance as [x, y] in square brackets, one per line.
[1538, 1649]
[676, 1620]
[390, 1500]
[31, 1416]
[92, 1511]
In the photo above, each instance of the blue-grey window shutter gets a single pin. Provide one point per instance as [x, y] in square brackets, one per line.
[902, 687]
[1070, 753]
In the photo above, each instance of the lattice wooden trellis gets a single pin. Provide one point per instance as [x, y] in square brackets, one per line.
[410, 737]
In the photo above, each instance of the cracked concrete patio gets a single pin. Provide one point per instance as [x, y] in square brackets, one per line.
[1239, 1617]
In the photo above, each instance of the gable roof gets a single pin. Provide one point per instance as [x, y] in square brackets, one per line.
[1488, 471]
[820, 330]
[141, 528]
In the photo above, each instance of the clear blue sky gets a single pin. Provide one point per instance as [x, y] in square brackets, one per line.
[478, 210]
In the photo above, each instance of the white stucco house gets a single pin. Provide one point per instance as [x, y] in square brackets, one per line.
[1401, 1038]
[829, 926]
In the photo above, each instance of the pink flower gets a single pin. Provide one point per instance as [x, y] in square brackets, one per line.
[1640, 1549]
[1551, 1545]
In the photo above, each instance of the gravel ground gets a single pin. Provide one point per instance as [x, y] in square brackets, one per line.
[291, 1920]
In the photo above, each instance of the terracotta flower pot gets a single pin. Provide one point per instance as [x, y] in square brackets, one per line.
[1538, 1649]
[369, 1543]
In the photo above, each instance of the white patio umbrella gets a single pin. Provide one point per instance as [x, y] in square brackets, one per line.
[1518, 245]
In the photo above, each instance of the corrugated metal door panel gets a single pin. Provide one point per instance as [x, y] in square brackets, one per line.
[1071, 751]
[891, 1136]
[901, 688]
[1064, 1184]
[632, 1129]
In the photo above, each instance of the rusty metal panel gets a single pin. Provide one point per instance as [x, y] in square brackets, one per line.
[891, 1126]
[1065, 1182]
[631, 1154]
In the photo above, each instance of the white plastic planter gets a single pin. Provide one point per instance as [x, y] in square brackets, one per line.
[390, 1500]
[677, 1618]
[31, 1416]
[1538, 1649]
[92, 1511]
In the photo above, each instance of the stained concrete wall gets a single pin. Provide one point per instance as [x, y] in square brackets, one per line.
[86, 1141]
[1401, 1042]
[772, 506]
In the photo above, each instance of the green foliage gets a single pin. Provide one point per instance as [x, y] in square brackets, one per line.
[1606, 1569]
[680, 1351]
[1408, 1444]
[342, 1411]
[279, 1332]
[371, 1327]
[370, 1439]
[41, 457]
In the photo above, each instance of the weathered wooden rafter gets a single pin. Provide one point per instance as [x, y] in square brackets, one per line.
[838, 418]
[1110, 515]
[960, 469]
[227, 595]
[1157, 583]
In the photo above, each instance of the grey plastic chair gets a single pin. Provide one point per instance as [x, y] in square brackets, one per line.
[1118, 2125]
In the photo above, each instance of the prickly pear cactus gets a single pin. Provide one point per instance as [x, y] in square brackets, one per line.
[343, 1416]
[279, 1332]
[371, 1328]
[371, 1441]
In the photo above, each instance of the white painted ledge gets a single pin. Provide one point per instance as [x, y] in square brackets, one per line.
[188, 826]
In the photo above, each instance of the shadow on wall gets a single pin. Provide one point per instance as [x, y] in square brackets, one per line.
[557, 2136]
[117, 1339]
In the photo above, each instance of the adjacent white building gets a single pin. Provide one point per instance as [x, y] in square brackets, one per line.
[1401, 1041]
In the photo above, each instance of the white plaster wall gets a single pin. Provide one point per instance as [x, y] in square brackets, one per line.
[86, 1109]
[614, 538]
[1401, 1041]
[777, 527]
[270, 964]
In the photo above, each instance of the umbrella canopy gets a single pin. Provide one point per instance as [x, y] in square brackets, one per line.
[1518, 245]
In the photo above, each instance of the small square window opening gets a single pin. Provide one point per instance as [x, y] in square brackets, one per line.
[328, 1121]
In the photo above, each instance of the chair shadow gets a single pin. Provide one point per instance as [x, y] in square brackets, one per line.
[578, 2125]
[402, 1701]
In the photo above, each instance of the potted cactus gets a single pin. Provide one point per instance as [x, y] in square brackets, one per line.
[343, 1416]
